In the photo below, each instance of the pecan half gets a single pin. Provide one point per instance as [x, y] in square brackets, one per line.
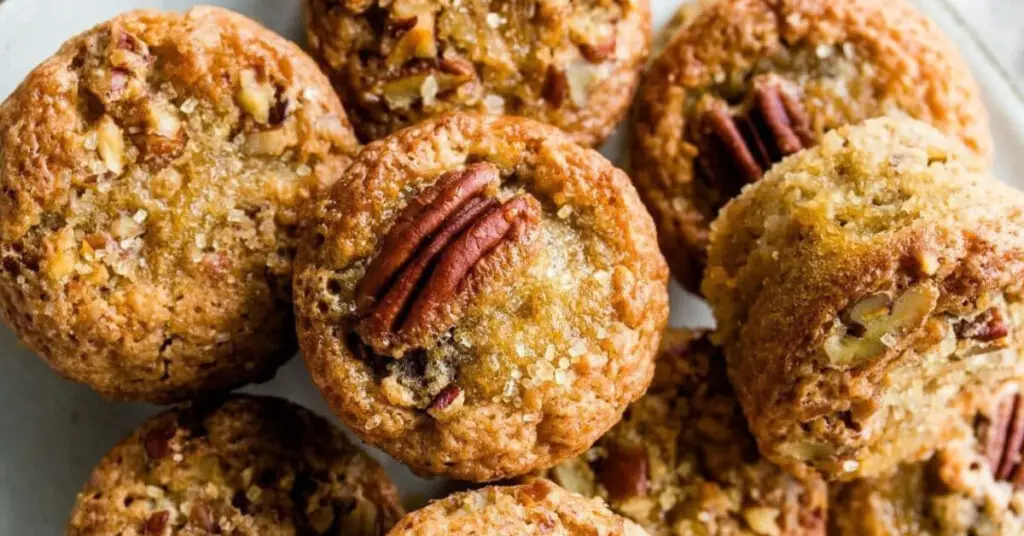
[1002, 439]
[738, 148]
[410, 289]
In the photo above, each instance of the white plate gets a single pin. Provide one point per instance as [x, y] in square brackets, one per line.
[53, 431]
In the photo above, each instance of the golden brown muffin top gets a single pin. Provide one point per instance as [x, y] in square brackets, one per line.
[480, 296]
[532, 509]
[839, 62]
[153, 171]
[244, 466]
[394, 63]
[683, 462]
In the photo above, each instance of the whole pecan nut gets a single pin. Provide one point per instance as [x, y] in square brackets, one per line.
[410, 289]
[1002, 440]
[738, 148]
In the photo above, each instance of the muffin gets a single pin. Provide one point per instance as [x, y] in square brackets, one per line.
[535, 508]
[683, 462]
[859, 288]
[153, 172]
[574, 65]
[480, 297]
[244, 466]
[746, 82]
[973, 486]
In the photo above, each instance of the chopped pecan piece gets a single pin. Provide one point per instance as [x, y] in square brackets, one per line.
[624, 472]
[416, 42]
[986, 327]
[447, 403]
[156, 523]
[202, 517]
[600, 51]
[457, 66]
[158, 442]
[556, 86]
[738, 149]
[445, 397]
[409, 291]
[1002, 439]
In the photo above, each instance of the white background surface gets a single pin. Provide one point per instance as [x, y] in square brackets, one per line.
[53, 431]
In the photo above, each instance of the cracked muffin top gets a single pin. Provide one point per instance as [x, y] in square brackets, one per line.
[535, 508]
[747, 82]
[245, 466]
[152, 173]
[973, 486]
[682, 461]
[480, 296]
[396, 62]
[860, 287]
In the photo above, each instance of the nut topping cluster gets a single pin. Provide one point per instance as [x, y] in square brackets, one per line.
[739, 148]
[412, 288]
[1002, 439]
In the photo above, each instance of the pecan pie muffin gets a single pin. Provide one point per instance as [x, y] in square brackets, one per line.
[861, 286]
[683, 462]
[747, 82]
[396, 62]
[246, 466]
[974, 486]
[536, 508]
[152, 173]
[480, 296]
